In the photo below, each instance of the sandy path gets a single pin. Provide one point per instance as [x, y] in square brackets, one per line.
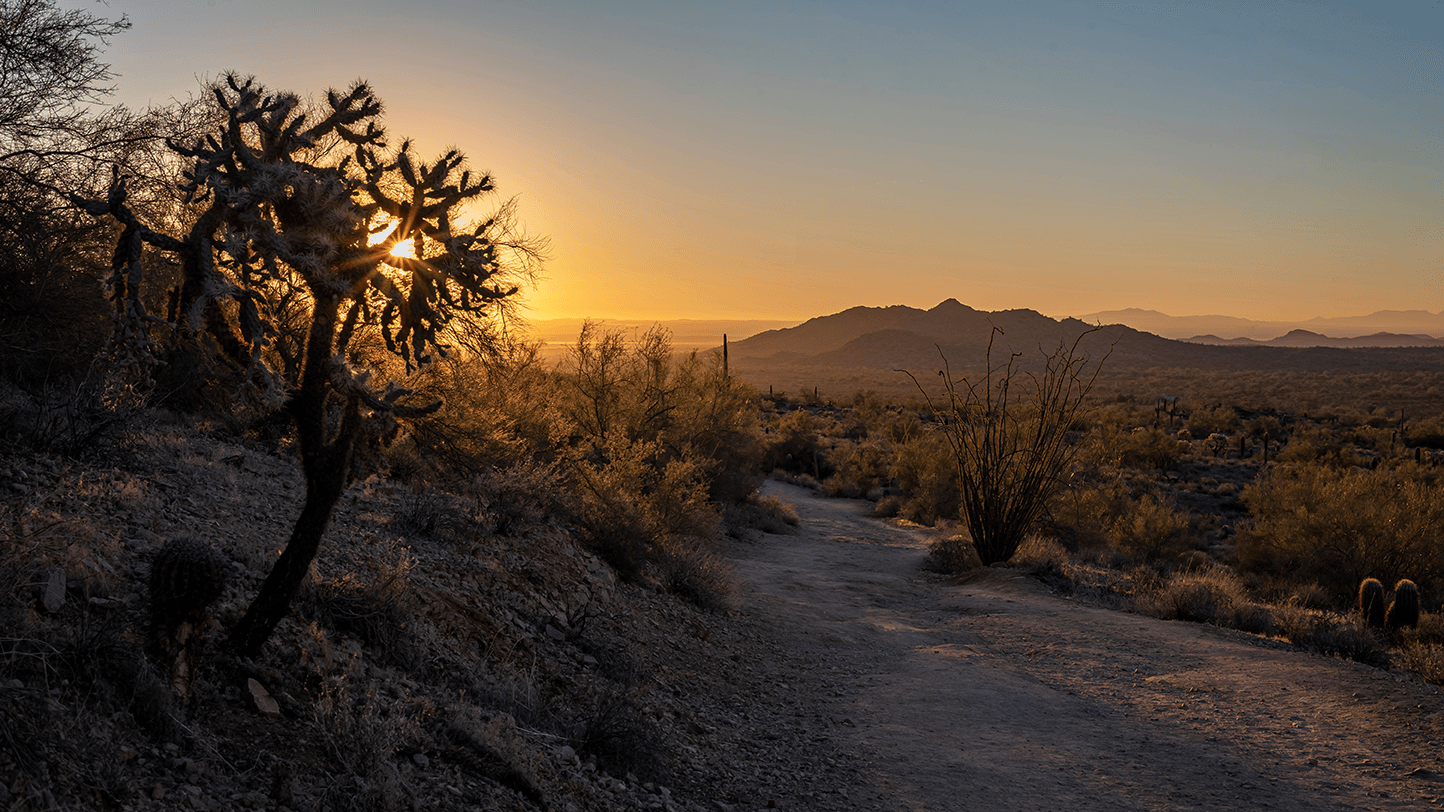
[994, 694]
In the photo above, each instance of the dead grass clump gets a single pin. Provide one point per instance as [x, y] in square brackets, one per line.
[1213, 595]
[951, 554]
[516, 497]
[621, 737]
[769, 514]
[690, 569]
[372, 600]
[362, 734]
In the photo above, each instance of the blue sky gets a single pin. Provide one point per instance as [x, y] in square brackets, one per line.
[790, 159]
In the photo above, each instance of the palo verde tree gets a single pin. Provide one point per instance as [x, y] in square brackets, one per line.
[288, 205]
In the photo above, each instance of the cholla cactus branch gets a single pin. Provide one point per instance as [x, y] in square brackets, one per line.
[285, 234]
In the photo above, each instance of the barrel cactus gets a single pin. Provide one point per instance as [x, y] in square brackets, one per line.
[1404, 609]
[186, 577]
[1371, 602]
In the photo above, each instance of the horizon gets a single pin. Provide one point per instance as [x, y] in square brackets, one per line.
[780, 161]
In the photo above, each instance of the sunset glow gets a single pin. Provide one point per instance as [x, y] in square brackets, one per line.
[405, 248]
[790, 159]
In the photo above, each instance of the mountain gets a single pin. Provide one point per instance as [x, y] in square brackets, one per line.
[1380, 326]
[1306, 338]
[899, 337]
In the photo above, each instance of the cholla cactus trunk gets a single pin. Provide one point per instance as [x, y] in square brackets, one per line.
[1371, 602]
[1404, 609]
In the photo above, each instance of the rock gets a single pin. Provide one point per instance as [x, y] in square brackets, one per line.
[263, 701]
[421, 760]
[52, 590]
[157, 792]
[556, 634]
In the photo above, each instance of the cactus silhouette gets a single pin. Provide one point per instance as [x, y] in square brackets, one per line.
[186, 577]
[1404, 609]
[1371, 602]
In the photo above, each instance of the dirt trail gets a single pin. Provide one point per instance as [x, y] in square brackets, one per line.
[994, 694]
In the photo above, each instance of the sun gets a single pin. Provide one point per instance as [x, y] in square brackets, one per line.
[405, 248]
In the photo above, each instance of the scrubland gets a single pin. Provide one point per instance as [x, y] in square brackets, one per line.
[1227, 509]
[526, 599]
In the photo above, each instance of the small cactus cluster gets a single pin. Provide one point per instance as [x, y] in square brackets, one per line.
[186, 577]
[1404, 608]
[1402, 611]
[1371, 602]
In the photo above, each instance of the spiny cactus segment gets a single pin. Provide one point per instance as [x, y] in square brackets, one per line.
[1404, 609]
[1371, 602]
[186, 577]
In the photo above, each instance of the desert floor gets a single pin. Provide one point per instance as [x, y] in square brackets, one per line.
[988, 692]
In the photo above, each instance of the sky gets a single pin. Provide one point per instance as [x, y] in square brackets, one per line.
[784, 159]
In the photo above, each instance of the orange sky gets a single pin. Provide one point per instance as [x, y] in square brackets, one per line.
[789, 159]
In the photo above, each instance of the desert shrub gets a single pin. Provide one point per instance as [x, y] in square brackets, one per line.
[1041, 554]
[1093, 515]
[1208, 420]
[689, 406]
[714, 417]
[793, 443]
[860, 467]
[952, 553]
[501, 409]
[1151, 528]
[634, 498]
[1342, 635]
[1131, 448]
[621, 737]
[928, 479]
[1323, 445]
[1337, 526]
[1421, 649]
[1424, 659]
[888, 506]
[362, 732]
[513, 497]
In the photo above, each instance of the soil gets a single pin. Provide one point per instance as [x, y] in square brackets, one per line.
[989, 692]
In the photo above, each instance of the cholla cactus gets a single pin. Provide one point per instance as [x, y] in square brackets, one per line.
[1371, 602]
[1404, 609]
[185, 579]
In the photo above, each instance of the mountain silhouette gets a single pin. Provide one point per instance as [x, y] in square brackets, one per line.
[901, 337]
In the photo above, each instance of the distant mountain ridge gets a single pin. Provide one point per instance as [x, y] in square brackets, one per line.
[900, 337]
[1381, 326]
[1306, 338]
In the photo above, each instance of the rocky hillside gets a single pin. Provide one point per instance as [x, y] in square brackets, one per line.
[448, 652]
